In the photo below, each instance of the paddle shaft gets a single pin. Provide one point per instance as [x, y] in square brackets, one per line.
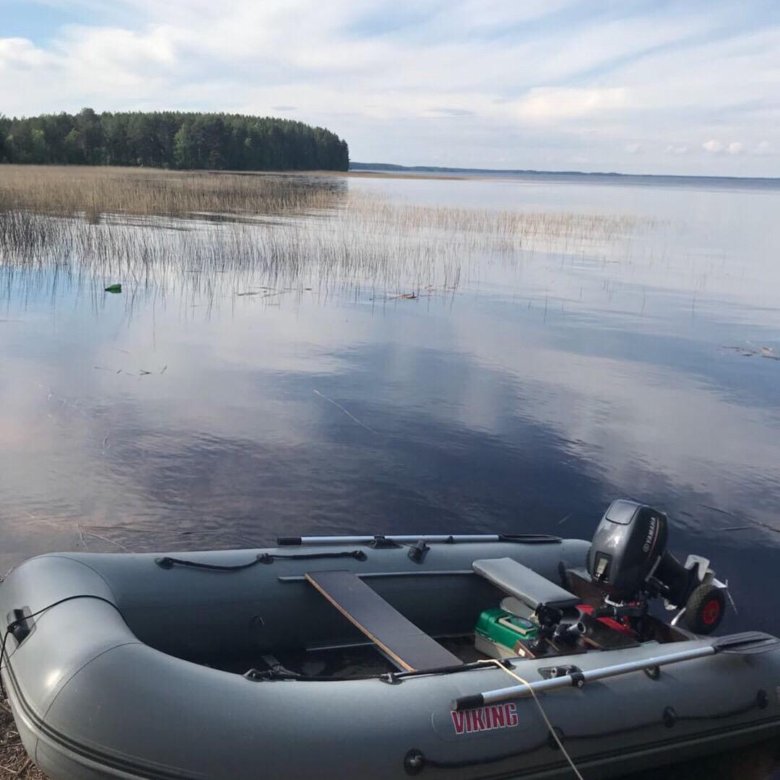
[577, 679]
[407, 539]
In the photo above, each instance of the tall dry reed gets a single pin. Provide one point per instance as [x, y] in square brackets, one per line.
[93, 191]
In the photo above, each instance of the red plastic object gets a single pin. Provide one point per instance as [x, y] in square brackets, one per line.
[615, 625]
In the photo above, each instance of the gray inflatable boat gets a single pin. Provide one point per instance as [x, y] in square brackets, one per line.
[383, 657]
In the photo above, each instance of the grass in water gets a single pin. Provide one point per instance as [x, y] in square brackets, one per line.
[160, 228]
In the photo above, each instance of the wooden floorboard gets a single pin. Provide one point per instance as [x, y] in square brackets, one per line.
[409, 648]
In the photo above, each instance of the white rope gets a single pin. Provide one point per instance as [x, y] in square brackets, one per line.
[499, 665]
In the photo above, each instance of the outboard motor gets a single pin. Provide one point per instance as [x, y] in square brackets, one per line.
[628, 561]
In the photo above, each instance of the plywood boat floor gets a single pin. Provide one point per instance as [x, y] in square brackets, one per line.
[397, 638]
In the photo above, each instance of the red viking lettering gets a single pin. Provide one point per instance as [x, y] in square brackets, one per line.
[458, 721]
[498, 716]
[498, 721]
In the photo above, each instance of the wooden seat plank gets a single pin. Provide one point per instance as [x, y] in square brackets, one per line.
[404, 644]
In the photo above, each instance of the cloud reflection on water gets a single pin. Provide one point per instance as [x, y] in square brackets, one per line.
[540, 390]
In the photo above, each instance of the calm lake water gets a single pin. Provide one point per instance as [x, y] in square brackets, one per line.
[523, 395]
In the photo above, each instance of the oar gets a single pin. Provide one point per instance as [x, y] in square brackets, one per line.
[289, 541]
[747, 642]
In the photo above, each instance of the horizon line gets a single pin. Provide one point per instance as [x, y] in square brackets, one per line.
[533, 171]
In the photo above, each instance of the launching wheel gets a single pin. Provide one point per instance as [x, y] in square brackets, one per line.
[704, 609]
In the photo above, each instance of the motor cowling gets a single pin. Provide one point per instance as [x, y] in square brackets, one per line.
[626, 548]
[628, 561]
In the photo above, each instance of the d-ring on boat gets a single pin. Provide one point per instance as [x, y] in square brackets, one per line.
[383, 657]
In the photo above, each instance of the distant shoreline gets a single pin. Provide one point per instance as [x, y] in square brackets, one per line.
[390, 169]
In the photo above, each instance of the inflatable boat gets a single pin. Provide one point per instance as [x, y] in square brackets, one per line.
[384, 657]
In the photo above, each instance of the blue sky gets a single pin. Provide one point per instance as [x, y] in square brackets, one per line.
[635, 86]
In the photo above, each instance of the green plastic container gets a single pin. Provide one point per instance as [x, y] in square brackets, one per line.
[506, 629]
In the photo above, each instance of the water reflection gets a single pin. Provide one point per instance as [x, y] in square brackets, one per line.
[185, 415]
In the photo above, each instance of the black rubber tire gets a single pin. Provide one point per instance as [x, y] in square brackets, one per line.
[704, 609]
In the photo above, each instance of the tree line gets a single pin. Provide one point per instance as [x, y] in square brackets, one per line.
[171, 139]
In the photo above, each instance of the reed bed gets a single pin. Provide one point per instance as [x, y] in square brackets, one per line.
[216, 234]
[92, 191]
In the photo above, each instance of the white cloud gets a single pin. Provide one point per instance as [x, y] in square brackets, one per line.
[735, 147]
[20, 53]
[551, 104]
[713, 146]
[118, 48]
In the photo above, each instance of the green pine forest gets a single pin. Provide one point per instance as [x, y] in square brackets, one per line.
[171, 139]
